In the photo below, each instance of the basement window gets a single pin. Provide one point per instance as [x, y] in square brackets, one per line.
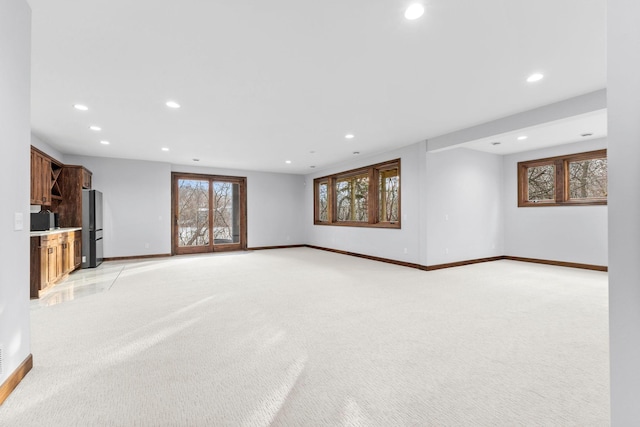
[364, 197]
[573, 180]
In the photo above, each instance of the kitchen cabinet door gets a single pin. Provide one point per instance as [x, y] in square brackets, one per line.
[40, 179]
[86, 179]
[52, 266]
[77, 249]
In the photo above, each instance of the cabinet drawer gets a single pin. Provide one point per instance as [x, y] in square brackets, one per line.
[51, 240]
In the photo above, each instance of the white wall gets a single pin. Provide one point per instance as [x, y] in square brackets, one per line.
[558, 233]
[37, 142]
[41, 145]
[15, 48]
[457, 205]
[464, 206]
[461, 204]
[136, 202]
[274, 205]
[379, 242]
[451, 209]
[623, 50]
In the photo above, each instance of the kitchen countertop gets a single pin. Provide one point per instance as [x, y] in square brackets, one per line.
[55, 231]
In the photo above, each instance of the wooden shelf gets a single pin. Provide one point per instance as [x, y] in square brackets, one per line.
[56, 170]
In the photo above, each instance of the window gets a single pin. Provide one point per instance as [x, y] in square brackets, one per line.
[541, 181]
[389, 193]
[577, 179]
[588, 179]
[209, 213]
[323, 201]
[352, 193]
[365, 197]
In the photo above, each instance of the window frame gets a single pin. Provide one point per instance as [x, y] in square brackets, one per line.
[316, 198]
[561, 164]
[349, 177]
[373, 194]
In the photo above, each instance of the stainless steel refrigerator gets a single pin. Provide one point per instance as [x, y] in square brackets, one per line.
[91, 228]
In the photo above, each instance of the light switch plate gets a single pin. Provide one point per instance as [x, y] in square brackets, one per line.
[18, 221]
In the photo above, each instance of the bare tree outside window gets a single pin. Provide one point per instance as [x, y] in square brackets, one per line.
[588, 179]
[352, 194]
[208, 213]
[193, 220]
[223, 215]
[578, 179]
[389, 191]
[365, 197]
[541, 182]
[323, 201]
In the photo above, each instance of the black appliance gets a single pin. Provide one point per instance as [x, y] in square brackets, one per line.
[44, 220]
[92, 254]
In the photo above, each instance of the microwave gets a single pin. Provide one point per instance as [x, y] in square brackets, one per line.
[44, 220]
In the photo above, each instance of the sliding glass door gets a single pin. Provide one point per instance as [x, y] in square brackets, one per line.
[209, 213]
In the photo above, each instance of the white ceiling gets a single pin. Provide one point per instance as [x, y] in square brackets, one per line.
[261, 82]
[582, 127]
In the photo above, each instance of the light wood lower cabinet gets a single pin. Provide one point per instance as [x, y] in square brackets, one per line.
[50, 250]
[53, 257]
[77, 250]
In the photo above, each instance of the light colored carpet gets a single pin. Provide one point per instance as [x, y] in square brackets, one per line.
[301, 337]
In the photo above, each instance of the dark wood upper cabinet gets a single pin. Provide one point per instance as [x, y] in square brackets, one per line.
[40, 179]
[45, 175]
[58, 187]
[73, 180]
[86, 179]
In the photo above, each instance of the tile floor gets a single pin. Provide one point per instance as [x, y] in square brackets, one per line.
[91, 281]
[81, 283]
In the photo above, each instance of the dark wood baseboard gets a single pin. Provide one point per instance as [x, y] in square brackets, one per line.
[465, 262]
[401, 263]
[14, 379]
[559, 263]
[127, 258]
[461, 263]
[262, 248]
[372, 258]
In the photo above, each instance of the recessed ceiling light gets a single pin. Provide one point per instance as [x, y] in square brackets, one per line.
[522, 137]
[495, 143]
[80, 107]
[95, 128]
[535, 77]
[164, 149]
[349, 136]
[288, 162]
[414, 11]
[172, 104]
[104, 142]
